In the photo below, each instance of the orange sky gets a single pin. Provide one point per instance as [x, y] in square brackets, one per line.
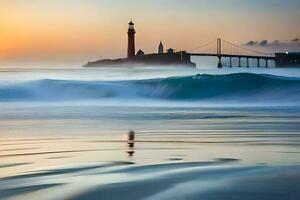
[74, 31]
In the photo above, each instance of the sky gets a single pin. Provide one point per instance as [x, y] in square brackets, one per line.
[72, 32]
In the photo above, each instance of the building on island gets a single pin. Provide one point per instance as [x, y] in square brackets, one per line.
[140, 53]
[140, 58]
[170, 51]
[288, 59]
[160, 48]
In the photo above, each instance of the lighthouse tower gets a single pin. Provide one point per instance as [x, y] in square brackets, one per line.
[131, 42]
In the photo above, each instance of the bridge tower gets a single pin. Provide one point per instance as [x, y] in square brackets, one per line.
[131, 41]
[219, 52]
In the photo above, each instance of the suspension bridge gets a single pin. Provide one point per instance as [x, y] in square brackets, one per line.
[223, 49]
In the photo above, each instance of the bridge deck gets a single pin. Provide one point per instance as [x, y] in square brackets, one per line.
[233, 56]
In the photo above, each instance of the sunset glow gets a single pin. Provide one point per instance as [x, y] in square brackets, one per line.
[75, 31]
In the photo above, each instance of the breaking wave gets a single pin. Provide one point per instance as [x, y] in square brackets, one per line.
[241, 87]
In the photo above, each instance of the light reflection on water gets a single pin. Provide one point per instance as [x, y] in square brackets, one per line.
[48, 152]
[41, 137]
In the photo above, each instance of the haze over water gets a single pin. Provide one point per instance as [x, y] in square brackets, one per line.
[209, 134]
[149, 133]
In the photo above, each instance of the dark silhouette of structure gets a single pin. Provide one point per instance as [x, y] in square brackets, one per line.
[160, 48]
[288, 59]
[232, 51]
[224, 50]
[140, 53]
[131, 41]
[170, 58]
[219, 52]
[170, 51]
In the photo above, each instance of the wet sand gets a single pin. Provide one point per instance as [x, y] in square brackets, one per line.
[217, 179]
[177, 153]
[150, 168]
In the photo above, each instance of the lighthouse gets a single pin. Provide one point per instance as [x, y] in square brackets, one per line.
[131, 42]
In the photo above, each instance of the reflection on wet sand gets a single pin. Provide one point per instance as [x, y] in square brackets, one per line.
[162, 169]
[258, 159]
[130, 143]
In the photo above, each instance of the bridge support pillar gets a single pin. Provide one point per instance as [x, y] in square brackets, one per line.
[247, 62]
[258, 62]
[220, 63]
[240, 62]
[230, 62]
[267, 63]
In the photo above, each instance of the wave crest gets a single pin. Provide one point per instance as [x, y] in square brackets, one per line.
[242, 87]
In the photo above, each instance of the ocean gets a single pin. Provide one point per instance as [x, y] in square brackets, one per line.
[229, 133]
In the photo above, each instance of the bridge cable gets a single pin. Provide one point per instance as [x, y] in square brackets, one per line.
[249, 50]
[202, 46]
